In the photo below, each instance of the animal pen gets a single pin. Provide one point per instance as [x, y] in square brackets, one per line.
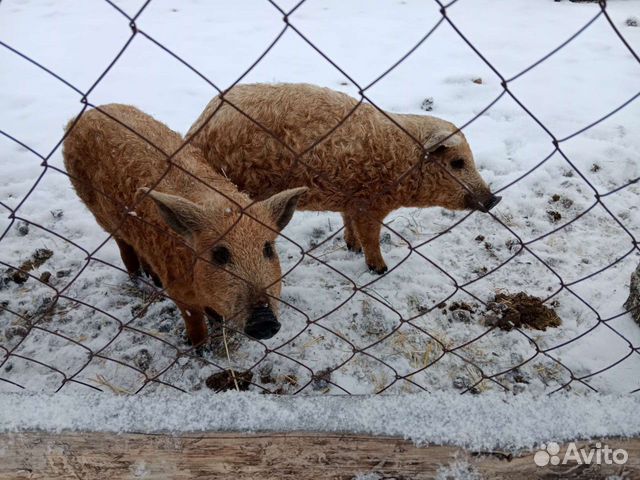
[489, 334]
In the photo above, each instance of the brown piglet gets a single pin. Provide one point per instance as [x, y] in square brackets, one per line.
[210, 246]
[353, 158]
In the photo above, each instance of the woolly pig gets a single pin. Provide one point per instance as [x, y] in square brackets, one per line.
[363, 169]
[190, 230]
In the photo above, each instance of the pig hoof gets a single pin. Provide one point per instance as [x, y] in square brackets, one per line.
[200, 351]
[199, 348]
[352, 247]
[152, 277]
[377, 269]
[134, 276]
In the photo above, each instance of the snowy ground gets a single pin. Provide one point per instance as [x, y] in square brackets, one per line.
[590, 77]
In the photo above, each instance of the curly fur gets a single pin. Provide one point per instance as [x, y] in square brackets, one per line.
[176, 225]
[365, 168]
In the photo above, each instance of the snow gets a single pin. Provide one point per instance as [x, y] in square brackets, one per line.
[487, 421]
[591, 258]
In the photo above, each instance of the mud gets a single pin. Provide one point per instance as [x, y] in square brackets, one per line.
[521, 310]
[223, 381]
[38, 257]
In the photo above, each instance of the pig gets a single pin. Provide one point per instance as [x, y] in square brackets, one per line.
[210, 246]
[354, 158]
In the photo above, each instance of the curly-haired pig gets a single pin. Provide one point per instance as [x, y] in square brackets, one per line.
[210, 246]
[267, 137]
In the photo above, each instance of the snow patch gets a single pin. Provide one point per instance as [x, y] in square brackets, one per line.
[487, 421]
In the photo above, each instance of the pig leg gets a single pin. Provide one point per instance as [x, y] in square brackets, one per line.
[129, 257]
[367, 228]
[350, 237]
[135, 264]
[146, 268]
[195, 324]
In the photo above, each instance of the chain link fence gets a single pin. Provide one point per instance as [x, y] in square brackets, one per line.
[64, 337]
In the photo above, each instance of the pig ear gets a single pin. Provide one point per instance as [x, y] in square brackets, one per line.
[283, 204]
[444, 139]
[183, 216]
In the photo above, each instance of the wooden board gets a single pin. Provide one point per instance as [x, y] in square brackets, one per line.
[265, 456]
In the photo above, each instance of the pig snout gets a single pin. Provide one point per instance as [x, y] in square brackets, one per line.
[262, 323]
[492, 202]
[484, 202]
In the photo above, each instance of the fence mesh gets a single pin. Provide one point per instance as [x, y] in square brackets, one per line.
[159, 356]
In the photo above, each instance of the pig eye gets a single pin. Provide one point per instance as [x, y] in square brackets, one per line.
[221, 255]
[268, 250]
[457, 164]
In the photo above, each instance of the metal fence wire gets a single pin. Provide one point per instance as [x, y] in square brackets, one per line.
[172, 358]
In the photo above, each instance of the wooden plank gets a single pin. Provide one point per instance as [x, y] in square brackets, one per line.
[283, 456]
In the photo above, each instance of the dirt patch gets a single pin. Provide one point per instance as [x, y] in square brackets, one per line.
[38, 257]
[321, 379]
[554, 216]
[226, 380]
[45, 277]
[564, 201]
[632, 303]
[284, 383]
[508, 311]
[427, 104]
[461, 306]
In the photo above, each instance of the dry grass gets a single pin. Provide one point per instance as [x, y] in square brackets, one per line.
[104, 382]
[226, 350]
